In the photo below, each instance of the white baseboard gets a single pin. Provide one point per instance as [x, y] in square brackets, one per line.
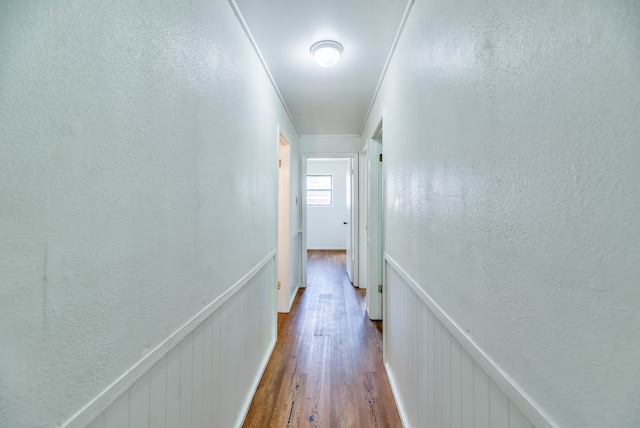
[293, 296]
[256, 383]
[394, 389]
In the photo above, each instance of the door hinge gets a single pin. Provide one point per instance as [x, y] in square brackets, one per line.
[380, 288]
[278, 285]
[380, 157]
[280, 163]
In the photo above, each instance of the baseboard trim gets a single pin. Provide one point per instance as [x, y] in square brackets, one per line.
[293, 296]
[103, 400]
[256, 383]
[392, 383]
[515, 393]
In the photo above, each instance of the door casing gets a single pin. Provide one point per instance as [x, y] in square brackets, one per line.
[354, 209]
[284, 223]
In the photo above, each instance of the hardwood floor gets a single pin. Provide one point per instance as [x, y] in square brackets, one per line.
[326, 369]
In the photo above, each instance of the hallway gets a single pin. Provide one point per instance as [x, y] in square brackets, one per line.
[326, 368]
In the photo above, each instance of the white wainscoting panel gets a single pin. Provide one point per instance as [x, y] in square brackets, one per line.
[208, 378]
[438, 375]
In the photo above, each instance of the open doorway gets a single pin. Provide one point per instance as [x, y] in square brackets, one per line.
[328, 205]
[330, 209]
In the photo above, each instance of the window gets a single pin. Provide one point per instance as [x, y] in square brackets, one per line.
[319, 189]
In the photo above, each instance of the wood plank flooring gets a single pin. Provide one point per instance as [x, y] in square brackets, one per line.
[326, 369]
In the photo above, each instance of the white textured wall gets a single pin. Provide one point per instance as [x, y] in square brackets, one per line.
[325, 228]
[138, 181]
[329, 144]
[512, 161]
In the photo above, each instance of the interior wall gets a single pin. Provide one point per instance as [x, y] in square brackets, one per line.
[329, 144]
[512, 197]
[139, 185]
[198, 382]
[325, 228]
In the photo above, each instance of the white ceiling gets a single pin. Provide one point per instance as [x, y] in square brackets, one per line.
[325, 101]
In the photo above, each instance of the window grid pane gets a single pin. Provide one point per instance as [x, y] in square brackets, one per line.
[319, 190]
[319, 182]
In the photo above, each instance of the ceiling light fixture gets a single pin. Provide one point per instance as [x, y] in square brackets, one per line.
[326, 52]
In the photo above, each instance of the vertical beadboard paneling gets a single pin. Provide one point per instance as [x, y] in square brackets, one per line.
[225, 380]
[173, 387]
[424, 367]
[217, 392]
[97, 422]
[406, 345]
[207, 373]
[416, 358]
[498, 407]
[436, 381]
[437, 362]
[186, 381]
[158, 394]
[419, 323]
[208, 377]
[480, 397]
[139, 403]
[446, 377]
[117, 415]
[466, 376]
[198, 371]
[516, 418]
[430, 369]
[456, 385]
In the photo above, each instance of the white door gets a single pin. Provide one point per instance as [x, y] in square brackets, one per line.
[348, 222]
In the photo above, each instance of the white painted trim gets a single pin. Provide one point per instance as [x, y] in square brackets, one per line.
[256, 383]
[513, 391]
[254, 44]
[284, 221]
[375, 214]
[399, 403]
[363, 176]
[94, 407]
[303, 219]
[394, 45]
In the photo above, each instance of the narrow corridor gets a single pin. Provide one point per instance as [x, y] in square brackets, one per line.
[326, 369]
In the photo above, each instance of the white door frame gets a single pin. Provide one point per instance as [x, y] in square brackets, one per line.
[363, 182]
[284, 223]
[374, 238]
[354, 208]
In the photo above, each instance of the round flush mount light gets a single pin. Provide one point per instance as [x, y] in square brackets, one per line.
[326, 52]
